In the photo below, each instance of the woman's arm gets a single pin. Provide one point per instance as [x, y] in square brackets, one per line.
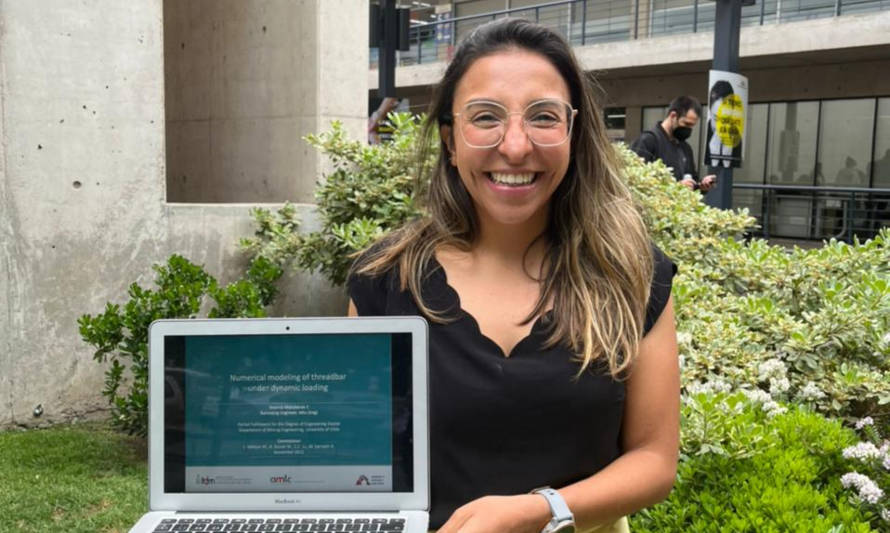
[642, 476]
[351, 310]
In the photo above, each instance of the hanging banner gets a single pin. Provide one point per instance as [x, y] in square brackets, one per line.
[727, 112]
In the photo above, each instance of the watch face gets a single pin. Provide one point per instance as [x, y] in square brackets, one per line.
[567, 526]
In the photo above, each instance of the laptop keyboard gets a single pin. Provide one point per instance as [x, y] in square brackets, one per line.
[381, 525]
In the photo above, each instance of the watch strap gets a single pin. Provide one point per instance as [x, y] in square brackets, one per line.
[558, 507]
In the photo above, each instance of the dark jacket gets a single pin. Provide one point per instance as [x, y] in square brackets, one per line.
[655, 144]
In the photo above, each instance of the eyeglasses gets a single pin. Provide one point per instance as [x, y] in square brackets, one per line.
[546, 122]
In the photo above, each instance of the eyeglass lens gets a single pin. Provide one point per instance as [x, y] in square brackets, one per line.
[547, 123]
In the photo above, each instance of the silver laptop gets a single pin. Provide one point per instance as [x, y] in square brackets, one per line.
[300, 424]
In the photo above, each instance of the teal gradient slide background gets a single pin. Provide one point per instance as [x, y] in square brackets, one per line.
[284, 400]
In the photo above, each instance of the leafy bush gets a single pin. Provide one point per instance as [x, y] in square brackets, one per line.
[371, 191]
[121, 335]
[809, 326]
[870, 476]
[757, 470]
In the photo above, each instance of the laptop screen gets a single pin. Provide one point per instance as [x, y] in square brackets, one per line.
[308, 412]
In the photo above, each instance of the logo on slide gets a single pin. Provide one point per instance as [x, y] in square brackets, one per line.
[363, 480]
[277, 480]
[204, 480]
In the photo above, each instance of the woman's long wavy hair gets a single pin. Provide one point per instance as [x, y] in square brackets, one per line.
[599, 261]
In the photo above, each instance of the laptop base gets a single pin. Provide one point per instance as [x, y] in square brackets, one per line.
[396, 522]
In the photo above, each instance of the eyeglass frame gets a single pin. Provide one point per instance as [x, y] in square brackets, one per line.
[571, 120]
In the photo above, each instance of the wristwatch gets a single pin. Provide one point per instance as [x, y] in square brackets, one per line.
[563, 521]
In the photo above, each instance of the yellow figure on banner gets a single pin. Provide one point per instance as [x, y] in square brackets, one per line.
[726, 125]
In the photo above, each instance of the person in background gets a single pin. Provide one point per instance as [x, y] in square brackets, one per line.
[850, 175]
[667, 141]
[553, 368]
[387, 105]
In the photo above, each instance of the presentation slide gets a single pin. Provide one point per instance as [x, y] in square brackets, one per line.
[288, 413]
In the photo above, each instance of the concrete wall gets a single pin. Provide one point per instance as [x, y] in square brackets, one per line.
[82, 170]
[246, 80]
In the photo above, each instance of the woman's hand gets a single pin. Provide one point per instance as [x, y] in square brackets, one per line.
[526, 513]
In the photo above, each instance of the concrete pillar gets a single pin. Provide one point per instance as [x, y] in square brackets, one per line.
[341, 70]
[84, 166]
[82, 187]
[246, 80]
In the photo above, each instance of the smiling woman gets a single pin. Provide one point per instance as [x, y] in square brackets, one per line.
[553, 358]
[509, 176]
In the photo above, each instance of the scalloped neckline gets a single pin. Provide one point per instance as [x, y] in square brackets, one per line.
[455, 298]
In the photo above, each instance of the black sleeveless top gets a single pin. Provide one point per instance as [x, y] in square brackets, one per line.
[506, 425]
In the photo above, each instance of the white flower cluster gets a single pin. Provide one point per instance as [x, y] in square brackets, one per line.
[766, 402]
[684, 338]
[862, 422]
[868, 489]
[773, 369]
[757, 396]
[863, 451]
[773, 409]
[779, 386]
[885, 514]
[709, 387]
[811, 392]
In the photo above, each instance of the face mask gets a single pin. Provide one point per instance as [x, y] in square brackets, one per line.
[682, 133]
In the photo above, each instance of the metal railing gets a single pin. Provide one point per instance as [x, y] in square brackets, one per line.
[584, 22]
[815, 213]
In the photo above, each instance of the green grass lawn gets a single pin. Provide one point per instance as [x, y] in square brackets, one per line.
[82, 477]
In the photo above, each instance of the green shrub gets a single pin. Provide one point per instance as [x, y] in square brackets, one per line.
[793, 330]
[823, 313]
[756, 470]
[120, 336]
[371, 191]
[869, 477]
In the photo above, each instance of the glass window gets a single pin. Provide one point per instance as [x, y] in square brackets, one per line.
[751, 14]
[753, 160]
[881, 164]
[671, 17]
[848, 7]
[651, 115]
[614, 117]
[681, 16]
[845, 141]
[474, 7]
[754, 144]
[557, 17]
[792, 143]
[791, 160]
[602, 22]
[879, 207]
[793, 10]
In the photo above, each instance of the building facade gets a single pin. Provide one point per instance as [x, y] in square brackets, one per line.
[817, 136]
